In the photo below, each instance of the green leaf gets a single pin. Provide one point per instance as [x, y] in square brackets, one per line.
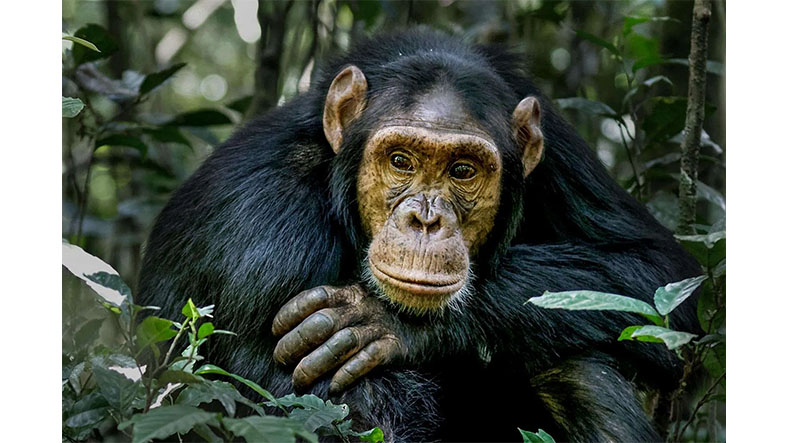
[212, 369]
[586, 105]
[708, 249]
[671, 339]
[314, 418]
[668, 297]
[309, 401]
[154, 330]
[100, 39]
[268, 429]
[241, 105]
[205, 330]
[374, 435]
[81, 41]
[119, 390]
[599, 42]
[627, 333]
[539, 437]
[221, 391]
[162, 422]
[88, 411]
[72, 107]
[124, 140]
[203, 117]
[178, 376]
[592, 300]
[152, 81]
[714, 359]
[190, 310]
[96, 274]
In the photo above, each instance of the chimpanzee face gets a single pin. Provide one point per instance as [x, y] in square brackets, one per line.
[428, 188]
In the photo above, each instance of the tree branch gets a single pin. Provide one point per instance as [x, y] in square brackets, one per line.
[696, 101]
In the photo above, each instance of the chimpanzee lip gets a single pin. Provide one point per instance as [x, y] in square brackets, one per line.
[422, 285]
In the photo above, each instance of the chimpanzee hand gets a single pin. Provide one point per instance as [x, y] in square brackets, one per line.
[345, 325]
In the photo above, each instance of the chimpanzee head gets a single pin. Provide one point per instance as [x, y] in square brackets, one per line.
[434, 144]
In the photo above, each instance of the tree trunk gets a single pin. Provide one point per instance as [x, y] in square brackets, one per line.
[696, 100]
[273, 18]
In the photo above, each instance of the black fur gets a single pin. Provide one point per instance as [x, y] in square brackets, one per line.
[273, 212]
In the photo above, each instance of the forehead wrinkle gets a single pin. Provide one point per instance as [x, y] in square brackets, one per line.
[418, 135]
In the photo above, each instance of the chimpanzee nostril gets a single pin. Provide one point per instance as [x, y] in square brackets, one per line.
[415, 223]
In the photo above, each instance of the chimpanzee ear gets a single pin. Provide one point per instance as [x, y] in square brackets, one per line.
[526, 120]
[346, 98]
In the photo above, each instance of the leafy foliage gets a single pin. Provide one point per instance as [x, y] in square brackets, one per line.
[107, 385]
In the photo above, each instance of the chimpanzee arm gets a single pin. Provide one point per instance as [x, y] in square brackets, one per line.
[495, 320]
[591, 401]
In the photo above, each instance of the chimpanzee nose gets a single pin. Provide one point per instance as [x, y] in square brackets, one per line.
[428, 217]
[428, 222]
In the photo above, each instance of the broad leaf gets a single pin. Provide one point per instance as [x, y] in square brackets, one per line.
[671, 339]
[152, 81]
[100, 38]
[314, 418]
[242, 104]
[88, 411]
[177, 376]
[212, 369]
[154, 330]
[708, 249]
[374, 435]
[221, 391]
[205, 330]
[190, 310]
[714, 359]
[268, 429]
[586, 105]
[119, 391]
[165, 421]
[72, 107]
[204, 117]
[96, 273]
[539, 437]
[592, 300]
[668, 297]
[302, 401]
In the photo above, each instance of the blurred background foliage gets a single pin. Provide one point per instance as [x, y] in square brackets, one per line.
[227, 44]
[617, 69]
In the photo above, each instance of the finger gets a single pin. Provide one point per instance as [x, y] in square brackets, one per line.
[332, 353]
[300, 307]
[374, 354]
[313, 331]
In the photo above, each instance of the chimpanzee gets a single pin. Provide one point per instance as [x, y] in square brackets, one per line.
[375, 239]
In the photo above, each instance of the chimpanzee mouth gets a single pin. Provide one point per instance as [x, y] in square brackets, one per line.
[418, 283]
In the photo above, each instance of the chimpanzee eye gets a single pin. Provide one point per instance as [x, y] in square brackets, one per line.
[462, 171]
[401, 162]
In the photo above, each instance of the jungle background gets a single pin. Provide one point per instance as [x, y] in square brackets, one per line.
[168, 80]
